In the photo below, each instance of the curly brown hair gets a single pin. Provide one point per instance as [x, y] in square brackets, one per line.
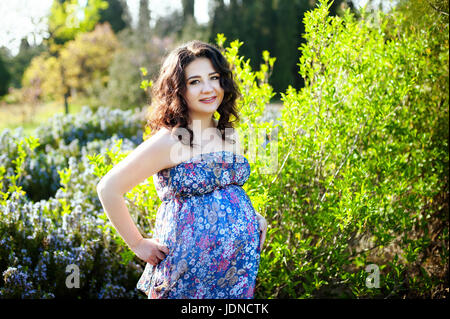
[168, 107]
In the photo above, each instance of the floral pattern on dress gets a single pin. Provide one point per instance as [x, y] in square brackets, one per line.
[208, 222]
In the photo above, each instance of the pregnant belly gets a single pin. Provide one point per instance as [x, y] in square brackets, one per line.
[207, 236]
[207, 220]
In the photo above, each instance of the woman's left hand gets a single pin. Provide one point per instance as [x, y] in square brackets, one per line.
[262, 229]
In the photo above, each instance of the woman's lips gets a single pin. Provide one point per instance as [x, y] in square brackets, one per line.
[208, 100]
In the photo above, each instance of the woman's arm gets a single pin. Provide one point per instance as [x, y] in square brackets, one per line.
[114, 205]
[147, 159]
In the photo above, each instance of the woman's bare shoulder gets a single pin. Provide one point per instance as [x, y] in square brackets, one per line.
[164, 134]
[148, 158]
[166, 147]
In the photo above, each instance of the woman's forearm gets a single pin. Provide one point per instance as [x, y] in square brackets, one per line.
[117, 212]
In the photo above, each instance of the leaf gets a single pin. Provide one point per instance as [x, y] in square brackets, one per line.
[143, 71]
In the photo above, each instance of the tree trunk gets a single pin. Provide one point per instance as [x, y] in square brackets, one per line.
[66, 103]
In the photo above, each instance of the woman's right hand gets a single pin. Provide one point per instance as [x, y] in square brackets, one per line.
[150, 250]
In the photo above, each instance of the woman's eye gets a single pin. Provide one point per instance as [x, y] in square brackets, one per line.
[213, 78]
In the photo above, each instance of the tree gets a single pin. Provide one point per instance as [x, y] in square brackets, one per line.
[21, 61]
[143, 26]
[188, 9]
[5, 77]
[126, 16]
[190, 29]
[68, 18]
[124, 76]
[85, 60]
[43, 77]
[273, 25]
[217, 14]
[115, 15]
[169, 24]
[287, 42]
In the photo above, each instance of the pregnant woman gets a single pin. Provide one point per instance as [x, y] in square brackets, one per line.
[208, 237]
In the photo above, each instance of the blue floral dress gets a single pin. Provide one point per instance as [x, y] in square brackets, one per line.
[207, 221]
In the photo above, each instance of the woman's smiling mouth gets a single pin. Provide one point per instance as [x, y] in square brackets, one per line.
[208, 100]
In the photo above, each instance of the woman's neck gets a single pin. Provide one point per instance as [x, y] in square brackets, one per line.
[200, 125]
[205, 132]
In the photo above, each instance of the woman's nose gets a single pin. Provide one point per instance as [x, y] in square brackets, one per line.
[207, 87]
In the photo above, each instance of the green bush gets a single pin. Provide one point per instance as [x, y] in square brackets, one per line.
[363, 154]
[39, 239]
[61, 138]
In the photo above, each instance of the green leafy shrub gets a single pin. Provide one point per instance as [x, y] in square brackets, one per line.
[61, 138]
[91, 125]
[363, 151]
[39, 240]
[41, 237]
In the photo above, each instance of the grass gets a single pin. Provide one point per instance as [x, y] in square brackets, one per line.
[13, 116]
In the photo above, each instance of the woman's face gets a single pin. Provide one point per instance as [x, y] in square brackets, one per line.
[203, 91]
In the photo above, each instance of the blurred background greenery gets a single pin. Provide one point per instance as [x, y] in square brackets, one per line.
[89, 52]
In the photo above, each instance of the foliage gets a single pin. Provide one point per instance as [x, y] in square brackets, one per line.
[62, 138]
[115, 15]
[83, 61]
[123, 88]
[5, 77]
[268, 25]
[40, 238]
[69, 18]
[363, 151]
[43, 76]
[256, 94]
[88, 57]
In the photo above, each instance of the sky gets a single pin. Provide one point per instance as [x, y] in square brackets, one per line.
[20, 18]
